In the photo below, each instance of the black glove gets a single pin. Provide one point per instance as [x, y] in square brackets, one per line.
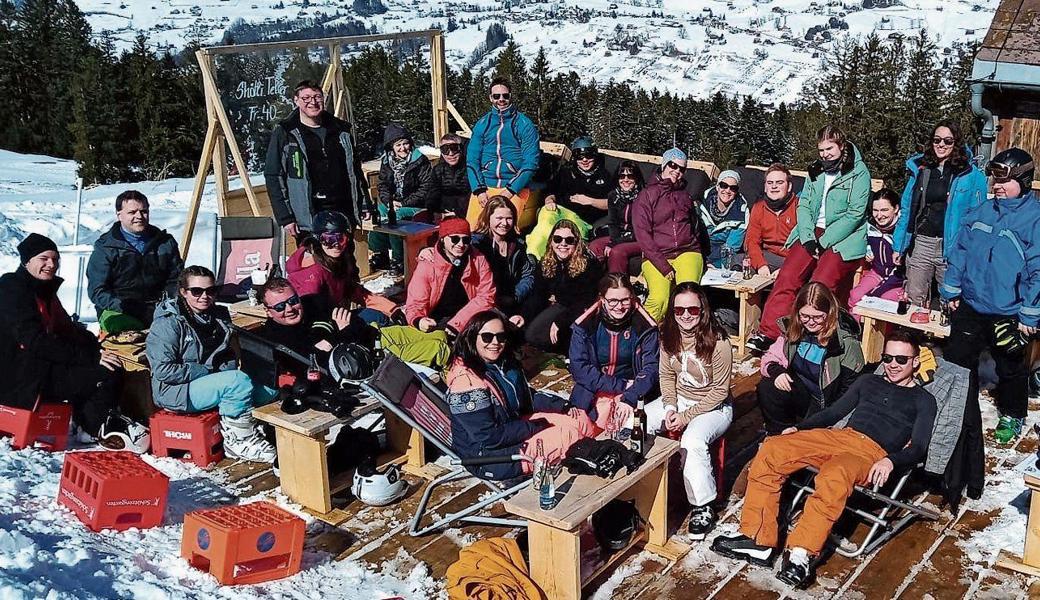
[541, 424]
[604, 458]
[813, 248]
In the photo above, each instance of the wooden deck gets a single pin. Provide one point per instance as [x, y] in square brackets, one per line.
[924, 561]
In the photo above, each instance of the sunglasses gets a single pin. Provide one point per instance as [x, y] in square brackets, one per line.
[1002, 172]
[616, 302]
[946, 141]
[451, 149]
[693, 311]
[290, 301]
[725, 186]
[459, 239]
[564, 240]
[899, 358]
[490, 336]
[504, 96]
[332, 240]
[627, 175]
[197, 292]
[673, 165]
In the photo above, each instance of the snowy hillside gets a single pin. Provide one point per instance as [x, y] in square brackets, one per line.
[749, 47]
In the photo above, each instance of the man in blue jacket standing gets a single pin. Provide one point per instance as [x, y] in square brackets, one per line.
[502, 156]
[993, 286]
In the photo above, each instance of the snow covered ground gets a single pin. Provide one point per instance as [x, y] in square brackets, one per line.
[747, 47]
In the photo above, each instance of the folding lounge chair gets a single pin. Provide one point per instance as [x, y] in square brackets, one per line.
[895, 513]
[417, 401]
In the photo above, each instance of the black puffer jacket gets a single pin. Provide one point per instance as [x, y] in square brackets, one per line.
[418, 190]
[596, 184]
[576, 293]
[121, 279]
[451, 187]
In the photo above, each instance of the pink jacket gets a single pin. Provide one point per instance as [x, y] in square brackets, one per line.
[315, 279]
[427, 284]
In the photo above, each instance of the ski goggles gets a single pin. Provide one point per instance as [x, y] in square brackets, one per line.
[333, 240]
[1001, 172]
[585, 153]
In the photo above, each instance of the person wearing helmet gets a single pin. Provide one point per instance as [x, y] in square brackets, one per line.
[502, 155]
[993, 286]
[583, 184]
[406, 186]
[324, 265]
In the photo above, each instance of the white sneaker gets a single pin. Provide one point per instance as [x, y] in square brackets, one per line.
[121, 433]
[243, 441]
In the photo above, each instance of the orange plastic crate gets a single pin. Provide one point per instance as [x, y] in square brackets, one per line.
[194, 438]
[47, 426]
[249, 543]
[113, 490]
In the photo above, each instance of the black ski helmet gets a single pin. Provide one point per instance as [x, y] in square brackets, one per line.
[331, 221]
[1013, 163]
[615, 524]
[351, 362]
[584, 146]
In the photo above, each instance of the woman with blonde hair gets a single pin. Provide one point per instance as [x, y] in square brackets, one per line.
[812, 363]
[564, 286]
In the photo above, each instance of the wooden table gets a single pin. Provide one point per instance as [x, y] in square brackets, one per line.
[1030, 561]
[554, 535]
[750, 299]
[136, 392]
[247, 316]
[303, 461]
[874, 323]
[414, 233]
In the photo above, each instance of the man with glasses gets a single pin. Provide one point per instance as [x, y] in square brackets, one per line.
[502, 156]
[582, 185]
[312, 165]
[132, 265]
[451, 185]
[993, 286]
[890, 428]
[772, 220]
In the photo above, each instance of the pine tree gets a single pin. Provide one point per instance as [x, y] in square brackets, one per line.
[100, 118]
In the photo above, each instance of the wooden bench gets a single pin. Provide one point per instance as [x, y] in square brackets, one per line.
[1030, 561]
[875, 321]
[554, 535]
[415, 236]
[750, 298]
[301, 442]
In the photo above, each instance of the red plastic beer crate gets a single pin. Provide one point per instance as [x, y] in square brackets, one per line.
[195, 438]
[113, 490]
[249, 543]
[47, 426]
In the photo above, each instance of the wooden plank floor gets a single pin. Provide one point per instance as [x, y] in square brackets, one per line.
[924, 561]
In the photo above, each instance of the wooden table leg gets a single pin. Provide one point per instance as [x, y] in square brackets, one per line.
[749, 316]
[361, 252]
[1030, 562]
[873, 339]
[651, 496]
[304, 469]
[555, 561]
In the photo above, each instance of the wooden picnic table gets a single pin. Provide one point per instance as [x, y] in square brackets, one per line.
[414, 233]
[554, 535]
[750, 299]
[875, 321]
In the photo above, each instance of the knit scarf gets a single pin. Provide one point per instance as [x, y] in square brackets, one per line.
[615, 324]
[779, 204]
[398, 165]
[621, 197]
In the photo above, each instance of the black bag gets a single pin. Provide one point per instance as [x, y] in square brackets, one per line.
[604, 458]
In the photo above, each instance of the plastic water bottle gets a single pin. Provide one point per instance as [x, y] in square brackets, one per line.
[543, 475]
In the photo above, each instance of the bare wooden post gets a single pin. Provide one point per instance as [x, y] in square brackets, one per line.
[220, 174]
[200, 184]
[438, 83]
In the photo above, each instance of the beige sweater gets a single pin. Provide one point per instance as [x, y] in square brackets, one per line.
[686, 376]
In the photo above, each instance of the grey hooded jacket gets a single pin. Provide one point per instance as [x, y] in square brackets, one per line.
[174, 354]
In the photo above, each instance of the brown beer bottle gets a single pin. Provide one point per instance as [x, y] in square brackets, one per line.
[637, 441]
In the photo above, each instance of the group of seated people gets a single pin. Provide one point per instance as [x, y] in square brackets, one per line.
[482, 290]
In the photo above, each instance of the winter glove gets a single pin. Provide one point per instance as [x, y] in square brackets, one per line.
[926, 372]
[1007, 337]
[813, 248]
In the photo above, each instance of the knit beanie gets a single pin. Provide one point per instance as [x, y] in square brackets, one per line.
[453, 226]
[730, 174]
[34, 244]
[675, 155]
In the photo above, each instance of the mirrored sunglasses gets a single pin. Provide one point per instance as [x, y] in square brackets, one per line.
[332, 240]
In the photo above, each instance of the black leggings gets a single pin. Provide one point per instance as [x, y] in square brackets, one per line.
[781, 409]
[536, 332]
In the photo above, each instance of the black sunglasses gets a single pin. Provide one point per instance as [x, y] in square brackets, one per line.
[564, 240]
[899, 358]
[673, 165]
[627, 175]
[947, 141]
[504, 96]
[681, 310]
[725, 186]
[197, 292]
[488, 336]
[459, 239]
[451, 149]
[290, 301]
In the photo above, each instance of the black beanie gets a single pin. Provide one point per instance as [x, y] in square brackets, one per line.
[34, 244]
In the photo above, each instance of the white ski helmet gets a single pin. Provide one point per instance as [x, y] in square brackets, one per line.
[377, 488]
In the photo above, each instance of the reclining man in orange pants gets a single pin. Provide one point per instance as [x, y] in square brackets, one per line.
[890, 428]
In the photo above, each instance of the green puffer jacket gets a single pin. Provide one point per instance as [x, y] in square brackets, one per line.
[848, 204]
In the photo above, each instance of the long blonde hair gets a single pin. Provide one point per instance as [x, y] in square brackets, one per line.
[819, 297]
[578, 261]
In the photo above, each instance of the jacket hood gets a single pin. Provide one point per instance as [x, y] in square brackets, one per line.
[167, 307]
[394, 132]
[849, 159]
